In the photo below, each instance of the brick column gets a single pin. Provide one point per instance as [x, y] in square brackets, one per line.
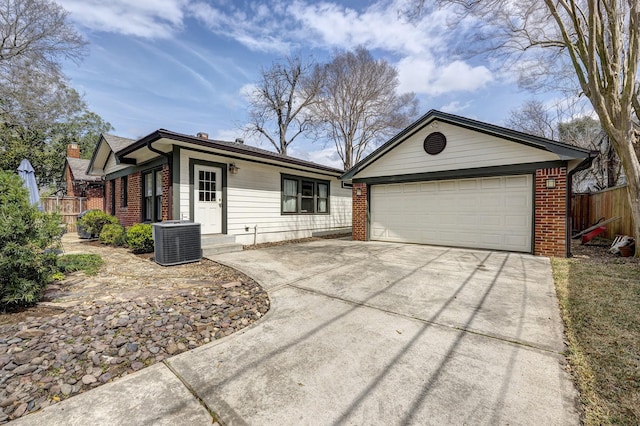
[166, 193]
[359, 212]
[551, 213]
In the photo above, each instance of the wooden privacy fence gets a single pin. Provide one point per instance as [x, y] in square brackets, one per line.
[68, 207]
[587, 209]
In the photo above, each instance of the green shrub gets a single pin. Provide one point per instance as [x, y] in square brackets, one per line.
[140, 238]
[113, 235]
[28, 239]
[94, 220]
[88, 263]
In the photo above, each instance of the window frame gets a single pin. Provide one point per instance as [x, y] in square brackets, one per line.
[300, 197]
[112, 189]
[155, 215]
[124, 191]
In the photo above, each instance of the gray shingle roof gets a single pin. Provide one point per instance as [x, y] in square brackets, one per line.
[117, 143]
[79, 168]
[234, 147]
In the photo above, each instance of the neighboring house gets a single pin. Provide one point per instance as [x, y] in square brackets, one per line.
[228, 187]
[79, 183]
[452, 181]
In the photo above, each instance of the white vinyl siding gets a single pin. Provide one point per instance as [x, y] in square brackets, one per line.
[466, 149]
[254, 197]
[489, 213]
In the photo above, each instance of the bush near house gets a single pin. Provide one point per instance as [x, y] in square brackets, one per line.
[93, 221]
[87, 263]
[140, 238]
[26, 233]
[113, 235]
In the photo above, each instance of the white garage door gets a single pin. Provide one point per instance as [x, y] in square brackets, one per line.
[491, 213]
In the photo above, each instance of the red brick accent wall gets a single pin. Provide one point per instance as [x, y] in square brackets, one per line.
[132, 213]
[95, 197]
[550, 232]
[359, 212]
[166, 193]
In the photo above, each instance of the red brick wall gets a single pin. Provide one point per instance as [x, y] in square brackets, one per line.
[550, 234]
[166, 193]
[95, 197]
[359, 212]
[132, 213]
[93, 192]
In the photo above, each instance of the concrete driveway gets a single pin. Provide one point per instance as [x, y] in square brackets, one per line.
[363, 334]
[380, 333]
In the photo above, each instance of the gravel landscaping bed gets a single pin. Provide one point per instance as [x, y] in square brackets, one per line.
[59, 352]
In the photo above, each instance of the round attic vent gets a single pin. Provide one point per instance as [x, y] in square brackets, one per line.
[435, 143]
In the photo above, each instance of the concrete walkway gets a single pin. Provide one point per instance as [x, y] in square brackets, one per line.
[364, 333]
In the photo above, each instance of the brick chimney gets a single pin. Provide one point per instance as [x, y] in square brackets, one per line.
[73, 150]
[203, 135]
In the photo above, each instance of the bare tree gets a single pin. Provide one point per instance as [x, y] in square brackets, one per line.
[606, 169]
[280, 101]
[598, 39]
[358, 104]
[37, 33]
[534, 118]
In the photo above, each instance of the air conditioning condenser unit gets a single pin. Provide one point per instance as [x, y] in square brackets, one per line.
[177, 242]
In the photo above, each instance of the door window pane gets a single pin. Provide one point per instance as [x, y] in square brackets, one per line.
[206, 186]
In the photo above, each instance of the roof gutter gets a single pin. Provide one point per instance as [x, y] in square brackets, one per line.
[169, 157]
[584, 165]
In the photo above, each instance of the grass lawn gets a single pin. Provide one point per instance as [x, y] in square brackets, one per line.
[600, 302]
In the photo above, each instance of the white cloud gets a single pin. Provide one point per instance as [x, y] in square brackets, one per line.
[142, 18]
[228, 135]
[424, 75]
[327, 156]
[455, 107]
[377, 27]
[259, 32]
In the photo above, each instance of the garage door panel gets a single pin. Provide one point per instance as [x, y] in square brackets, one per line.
[490, 183]
[492, 213]
[518, 181]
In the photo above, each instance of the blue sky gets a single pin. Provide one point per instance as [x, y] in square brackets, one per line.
[186, 65]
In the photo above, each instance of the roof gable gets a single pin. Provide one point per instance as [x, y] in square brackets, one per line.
[107, 144]
[470, 142]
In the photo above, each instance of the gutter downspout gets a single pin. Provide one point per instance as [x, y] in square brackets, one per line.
[586, 163]
[169, 157]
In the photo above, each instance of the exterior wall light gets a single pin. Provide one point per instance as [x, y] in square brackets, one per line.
[233, 169]
[551, 183]
[358, 191]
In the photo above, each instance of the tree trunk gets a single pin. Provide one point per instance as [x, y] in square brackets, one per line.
[612, 175]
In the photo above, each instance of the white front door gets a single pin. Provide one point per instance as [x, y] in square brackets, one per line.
[207, 198]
